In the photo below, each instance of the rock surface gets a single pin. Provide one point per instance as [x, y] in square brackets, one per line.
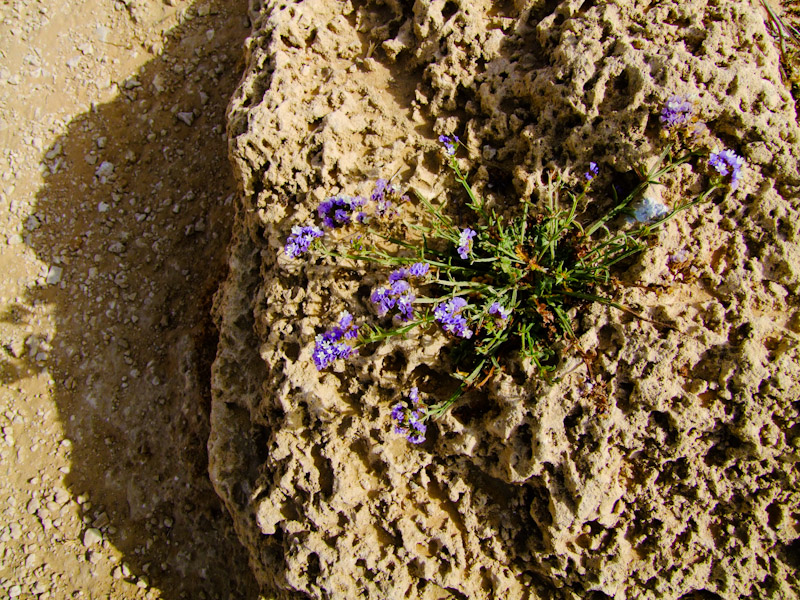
[685, 483]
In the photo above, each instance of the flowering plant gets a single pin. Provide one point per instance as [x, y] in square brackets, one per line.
[501, 286]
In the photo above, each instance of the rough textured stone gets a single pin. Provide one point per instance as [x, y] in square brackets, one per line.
[685, 482]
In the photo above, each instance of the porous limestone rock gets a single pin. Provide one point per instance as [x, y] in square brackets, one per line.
[683, 482]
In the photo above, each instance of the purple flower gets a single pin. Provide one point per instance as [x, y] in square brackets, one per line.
[497, 309]
[338, 210]
[415, 271]
[300, 240]
[448, 315]
[382, 196]
[593, 171]
[413, 394]
[398, 274]
[450, 144]
[677, 112]
[398, 295]
[465, 242]
[727, 162]
[329, 347]
[410, 421]
[418, 270]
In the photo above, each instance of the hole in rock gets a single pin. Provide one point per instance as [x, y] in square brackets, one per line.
[450, 8]
[325, 472]
[792, 552]
[475, 406]
[292, 351]
[700, 595]
[395, 362]
[571, 420]
[313, 568]
[775, 515]
[662, 421]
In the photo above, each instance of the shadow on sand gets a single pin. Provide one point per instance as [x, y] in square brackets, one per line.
[142, 248]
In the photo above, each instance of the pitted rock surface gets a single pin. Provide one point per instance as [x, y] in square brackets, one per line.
[686, 481]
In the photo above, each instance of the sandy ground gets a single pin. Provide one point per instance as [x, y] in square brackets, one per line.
[115, 208]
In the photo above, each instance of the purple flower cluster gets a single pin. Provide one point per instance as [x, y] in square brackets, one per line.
[338, 210]
[300, 240]
[593, 171]
[497, 309]
[450, 144]
[727, 162]
[330, 345]
[465, 242]
[410, 421]
[398, 296]
[415, 271]
[677, 112]
[382, 196]
[448, 315]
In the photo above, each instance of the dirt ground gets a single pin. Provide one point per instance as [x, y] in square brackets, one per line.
[116, 198]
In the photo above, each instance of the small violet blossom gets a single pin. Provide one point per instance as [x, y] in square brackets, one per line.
[465, 242]
[677, 112]
[415, 271]
[382, 196]
[593, 171]
[397, 296]
[497, 309]
[338, 210]
[448, 315]
[300, 240]
[450, 144]
[727, 162]
[410, 421]
[331, 345]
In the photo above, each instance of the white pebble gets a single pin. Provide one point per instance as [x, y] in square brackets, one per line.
[54, 275]
[105, 169]
[92, 537]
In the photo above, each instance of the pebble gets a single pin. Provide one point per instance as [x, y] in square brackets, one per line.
[186, 117]
[158, 83]
[106, 169]
[33, 223]
[101, 521]
[53, 275]
[33, 506]
[91, 537]
[101, 33]
[61, 496]
[14, 239]
[14, 591]
[55, 151]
